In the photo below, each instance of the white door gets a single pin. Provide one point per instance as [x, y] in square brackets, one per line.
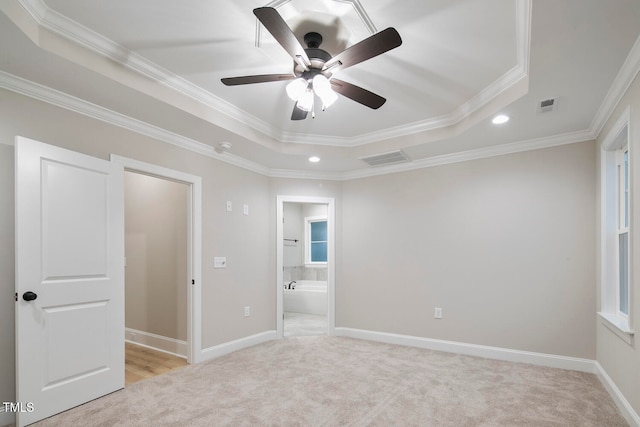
[69, 279]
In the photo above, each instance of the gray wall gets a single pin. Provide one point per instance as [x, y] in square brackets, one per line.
[504, 245]
[293, 229]
[156, 245]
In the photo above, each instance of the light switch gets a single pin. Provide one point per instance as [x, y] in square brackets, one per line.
[220, 262]
[245, 209]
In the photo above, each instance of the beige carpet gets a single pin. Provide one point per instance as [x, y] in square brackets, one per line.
[333, 381]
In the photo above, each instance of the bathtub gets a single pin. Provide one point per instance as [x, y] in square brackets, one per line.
[309, 297]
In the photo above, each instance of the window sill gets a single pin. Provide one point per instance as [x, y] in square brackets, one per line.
[316, 265]
[617, 326]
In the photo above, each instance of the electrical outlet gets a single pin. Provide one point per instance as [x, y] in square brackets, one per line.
[247, 311]
[220, 262]
[229, 206]
[437, 313]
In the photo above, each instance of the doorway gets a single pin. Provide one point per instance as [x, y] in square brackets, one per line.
[156, 273]
[305, 288]
[171, 308]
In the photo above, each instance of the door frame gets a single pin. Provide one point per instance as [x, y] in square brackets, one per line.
[331, 259]
[194, 247]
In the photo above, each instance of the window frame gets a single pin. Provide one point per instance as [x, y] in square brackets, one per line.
[307, 239]
[622, 229]
[616, 221]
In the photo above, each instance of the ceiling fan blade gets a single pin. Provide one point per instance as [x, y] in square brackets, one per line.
[262, 78]
[298, 114]
[358, 94]
[279, 29]
[372, 46]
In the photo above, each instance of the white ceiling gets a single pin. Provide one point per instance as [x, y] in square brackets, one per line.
[155, 66]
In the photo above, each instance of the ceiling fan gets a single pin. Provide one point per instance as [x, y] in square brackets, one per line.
[314, 67]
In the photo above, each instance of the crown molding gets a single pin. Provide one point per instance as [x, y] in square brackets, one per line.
[628, 72]
[523, 33]
[59, 24]
[491, 92]
[94, 42]
[77, 105]
[60, 99]
[302, 174]
[362, 14]
[480, 153]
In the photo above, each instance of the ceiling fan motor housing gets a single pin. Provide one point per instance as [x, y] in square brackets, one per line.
[318, 57]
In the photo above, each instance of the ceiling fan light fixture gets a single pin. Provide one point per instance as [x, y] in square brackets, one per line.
[328, 99]
[321, 84]
[322, 88]
[305, 102]
[296, 89]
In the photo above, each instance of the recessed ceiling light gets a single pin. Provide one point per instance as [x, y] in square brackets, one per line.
[500, 119]
[314, 159]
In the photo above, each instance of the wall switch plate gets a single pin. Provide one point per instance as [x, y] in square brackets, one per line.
[437, 313]
[229, 206]
[245, 209]
[220, 262]
[247, 311]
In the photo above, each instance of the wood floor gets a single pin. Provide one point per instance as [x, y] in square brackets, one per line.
[142, 363]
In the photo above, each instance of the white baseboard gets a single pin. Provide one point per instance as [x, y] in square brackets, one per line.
[540, 359]
[621, 402]
[239, 344]
[157, 342]
[7, 418]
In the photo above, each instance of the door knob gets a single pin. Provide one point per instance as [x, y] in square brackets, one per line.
[29, 296]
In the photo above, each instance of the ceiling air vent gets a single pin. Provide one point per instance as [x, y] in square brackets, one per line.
[386, 158]
[547, 105]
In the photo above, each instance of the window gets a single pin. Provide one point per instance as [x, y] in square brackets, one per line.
[616, 248]
[622, 165]
[316, 241]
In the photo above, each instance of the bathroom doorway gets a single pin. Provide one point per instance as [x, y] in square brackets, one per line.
[305, 291]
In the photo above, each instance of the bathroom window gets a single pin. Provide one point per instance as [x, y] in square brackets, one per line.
[316, 239]
[616, 247]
